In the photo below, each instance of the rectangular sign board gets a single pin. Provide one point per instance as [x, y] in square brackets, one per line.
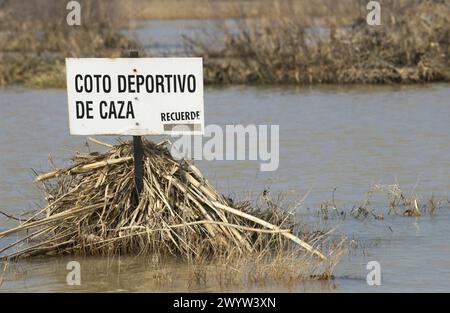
[135, 96]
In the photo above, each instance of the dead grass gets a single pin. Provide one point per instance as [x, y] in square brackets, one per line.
[199, 9]
[274, 42]
[398, 202]
[227, 9]
[411, 46]
[33, 47]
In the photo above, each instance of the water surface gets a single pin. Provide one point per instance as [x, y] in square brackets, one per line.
[330, 137]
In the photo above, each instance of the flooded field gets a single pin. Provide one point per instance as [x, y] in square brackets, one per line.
[330, 137]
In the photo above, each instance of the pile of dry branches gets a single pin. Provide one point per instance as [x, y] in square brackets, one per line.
[92, 210]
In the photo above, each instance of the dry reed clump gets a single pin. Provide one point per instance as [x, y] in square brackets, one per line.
[92, 211]
[33, 46]
[39, 62]
[400, 203]
[412, 45]
[47, 70]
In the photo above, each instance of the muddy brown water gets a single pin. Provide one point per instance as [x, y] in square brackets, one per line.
[330, 137]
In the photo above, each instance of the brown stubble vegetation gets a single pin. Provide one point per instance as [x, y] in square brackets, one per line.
[272, 42]
[289, 47]
[230, 9]
[397, 202]
[401, 203]
[35, 39]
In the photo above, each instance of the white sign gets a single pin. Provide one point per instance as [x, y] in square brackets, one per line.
[135, 96]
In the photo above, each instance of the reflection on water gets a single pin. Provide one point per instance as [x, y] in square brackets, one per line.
[330, 137]
[129, 274]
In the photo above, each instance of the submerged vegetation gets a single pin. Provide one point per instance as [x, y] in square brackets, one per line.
[400, 203]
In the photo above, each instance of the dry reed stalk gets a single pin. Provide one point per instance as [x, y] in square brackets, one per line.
[273, 227]
[2, 276]
[82, 168]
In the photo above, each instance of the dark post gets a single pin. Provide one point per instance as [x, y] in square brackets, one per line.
[138, 153]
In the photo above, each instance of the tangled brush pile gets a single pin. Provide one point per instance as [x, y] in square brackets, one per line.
[92, 210]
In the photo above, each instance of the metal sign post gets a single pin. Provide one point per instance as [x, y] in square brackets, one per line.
[138, 154]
